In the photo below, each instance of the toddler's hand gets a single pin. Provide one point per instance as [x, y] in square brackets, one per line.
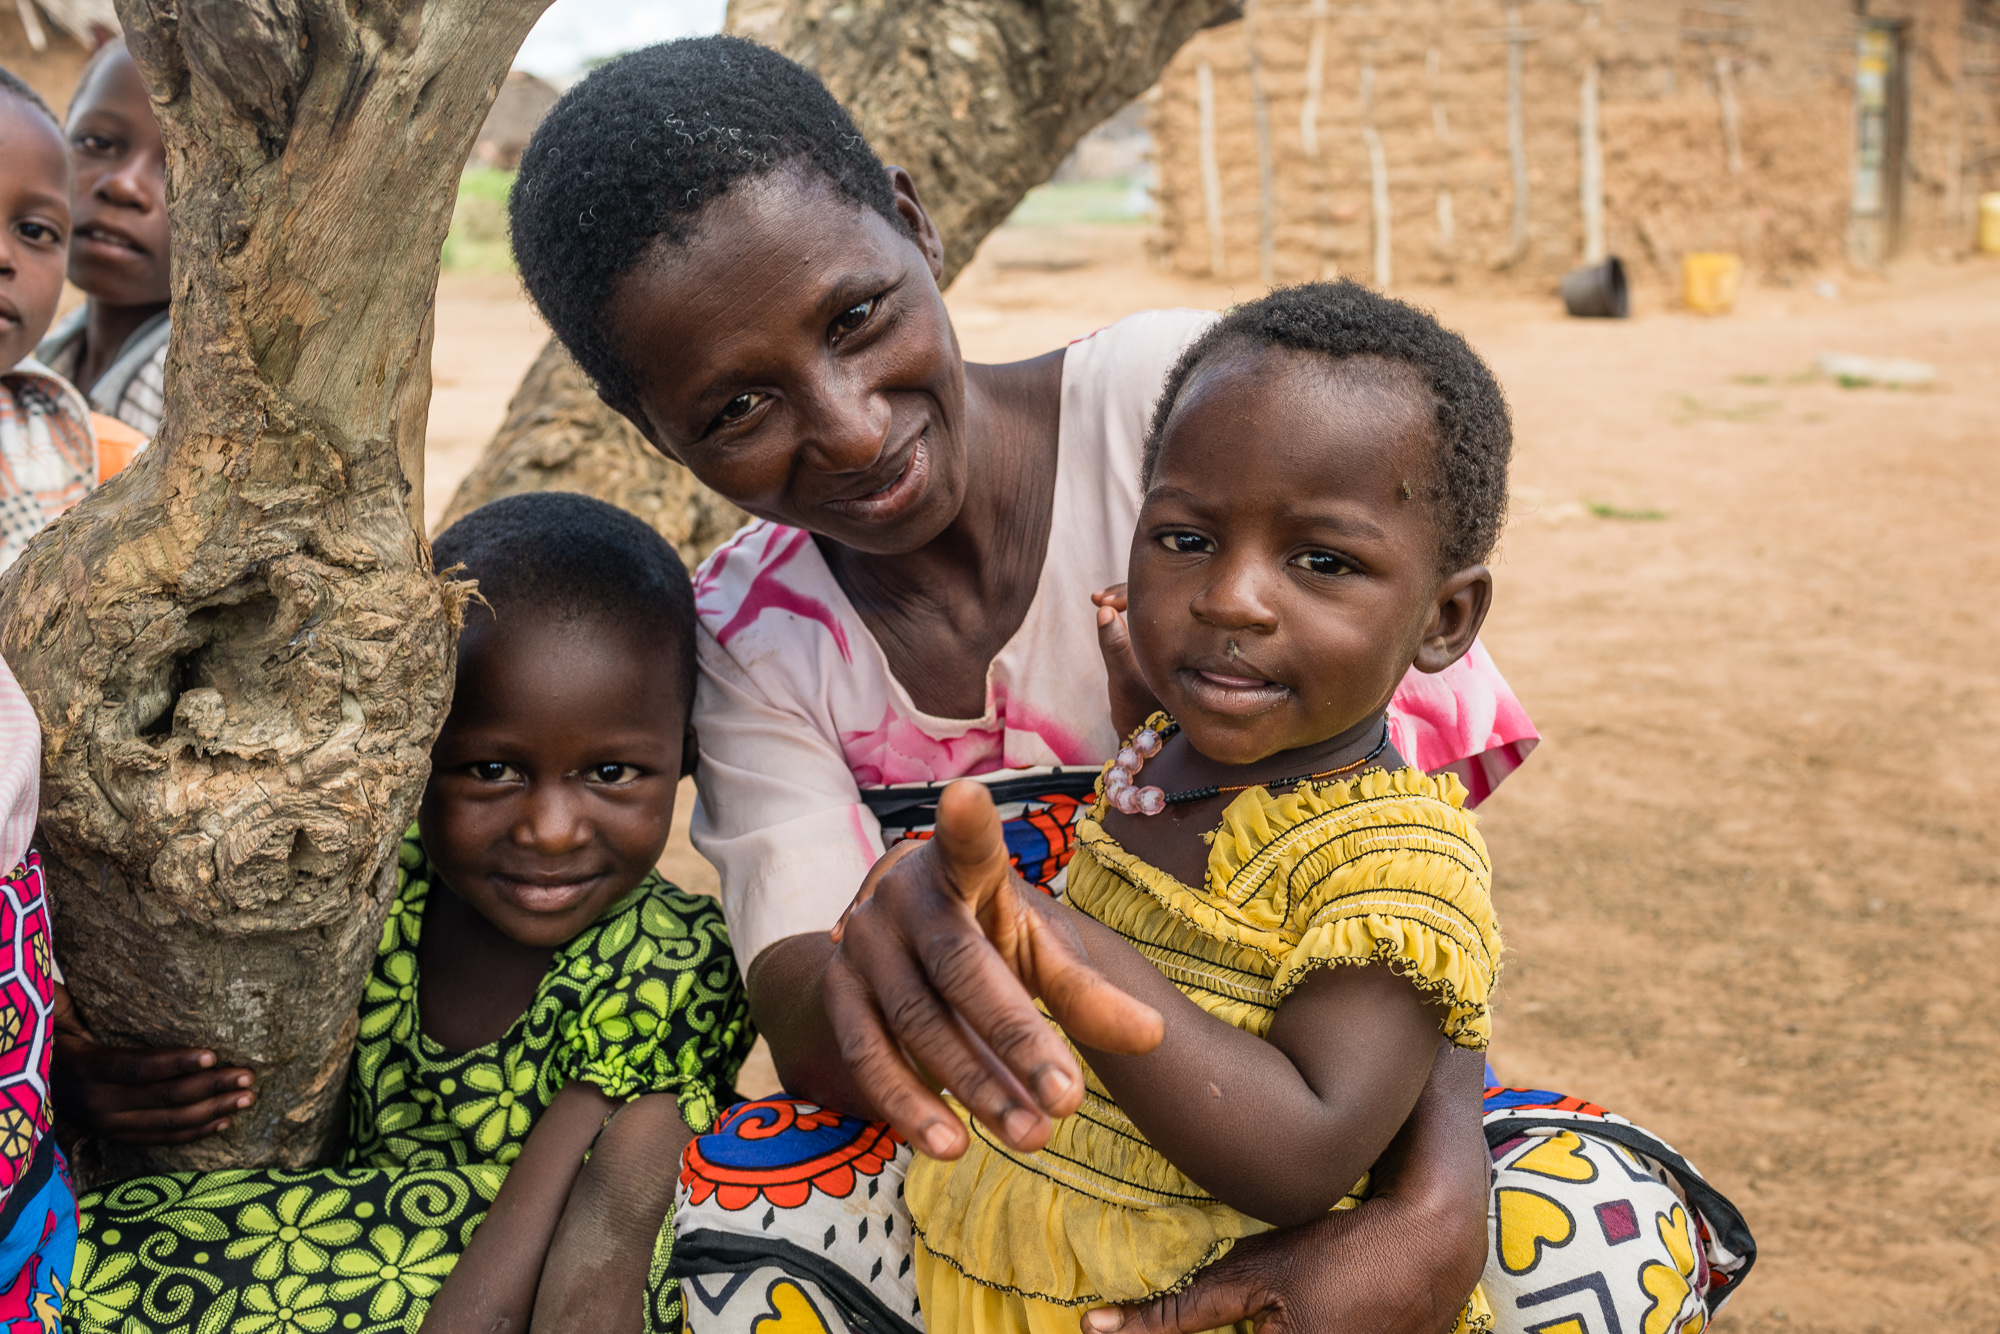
[163, 1095]
[1132, 700]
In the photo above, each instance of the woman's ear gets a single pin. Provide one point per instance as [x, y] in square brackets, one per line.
[919, 220]
[690, 751]
[1462, 601]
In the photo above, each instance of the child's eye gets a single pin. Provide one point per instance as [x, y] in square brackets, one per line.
[614, 775]
[39, 233]
[853, 317]
[1324, 562]
[94, 143]
[492, 771]
[1186, 543]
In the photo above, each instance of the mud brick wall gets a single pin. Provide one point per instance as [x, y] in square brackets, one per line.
[1672, 78]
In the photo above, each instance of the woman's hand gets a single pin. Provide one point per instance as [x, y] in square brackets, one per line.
[1132, 701]
[136, 1095]
[938, 964]
[1402, 1263]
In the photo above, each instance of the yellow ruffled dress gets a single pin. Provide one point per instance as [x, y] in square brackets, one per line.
[1382, 867]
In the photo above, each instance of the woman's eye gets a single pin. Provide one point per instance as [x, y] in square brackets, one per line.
[614, 775]
[853, 317]
[492, 771]
[741, 406]
[1324, 562]
[1186, 543]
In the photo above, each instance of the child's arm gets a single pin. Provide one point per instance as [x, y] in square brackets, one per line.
[1279, 1127]
[493, 1286]
[568, 1244]
[163, 1095]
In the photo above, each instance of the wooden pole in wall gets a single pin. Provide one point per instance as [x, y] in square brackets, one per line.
[1315, 81]
[1441, 132]
[1590, 181]
[1267, 184]
[1517, 137]
[1378, 180]
[1211, 174]
[1725, 93]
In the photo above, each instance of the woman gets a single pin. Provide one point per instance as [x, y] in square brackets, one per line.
[716, 245]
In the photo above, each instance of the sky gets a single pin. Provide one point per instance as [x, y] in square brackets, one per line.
[572, 32]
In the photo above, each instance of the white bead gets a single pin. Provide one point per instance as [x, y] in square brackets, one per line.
[1116, 779]
[1151, 801]
[1147, 743]
[1126, 799]
[1129, 758]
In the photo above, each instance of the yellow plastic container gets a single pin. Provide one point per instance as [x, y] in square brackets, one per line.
[1709, 280]
[1989, 223]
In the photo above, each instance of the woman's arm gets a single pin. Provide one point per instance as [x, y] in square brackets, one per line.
[492, 1288]
[1343, 1064]
[594, 1280]
[1402, 1263]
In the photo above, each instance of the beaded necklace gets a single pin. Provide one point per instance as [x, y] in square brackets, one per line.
[1122, 791]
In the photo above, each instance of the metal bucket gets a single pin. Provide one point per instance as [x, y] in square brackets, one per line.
[1598, 291]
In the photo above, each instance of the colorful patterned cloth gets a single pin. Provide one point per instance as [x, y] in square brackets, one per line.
[647, 1000]
[48, 455]
[790, 1219]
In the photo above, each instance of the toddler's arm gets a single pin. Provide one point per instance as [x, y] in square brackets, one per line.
[1279, 1127]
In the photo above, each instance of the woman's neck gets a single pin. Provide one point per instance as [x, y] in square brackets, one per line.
[105, 329]
[941, 613]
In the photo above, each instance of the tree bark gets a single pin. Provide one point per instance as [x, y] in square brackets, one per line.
[237, 648]
[980, 99]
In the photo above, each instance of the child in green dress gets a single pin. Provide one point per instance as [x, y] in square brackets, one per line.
[546, 1025]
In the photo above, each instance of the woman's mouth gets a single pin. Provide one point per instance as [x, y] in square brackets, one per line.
[892, 500]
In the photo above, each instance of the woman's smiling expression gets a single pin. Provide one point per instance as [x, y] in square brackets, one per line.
[796, 355]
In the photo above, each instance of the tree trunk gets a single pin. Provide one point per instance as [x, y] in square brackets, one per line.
[980, 99]
[559, 436]
[238, 650]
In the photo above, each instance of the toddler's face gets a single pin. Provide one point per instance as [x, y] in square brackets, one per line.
[1284, 571]
[34, 206]
[552, 784]
[119, 251]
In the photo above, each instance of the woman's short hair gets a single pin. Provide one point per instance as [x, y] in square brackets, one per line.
[634, 152]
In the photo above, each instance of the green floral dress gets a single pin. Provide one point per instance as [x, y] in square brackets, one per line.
[648, 1000]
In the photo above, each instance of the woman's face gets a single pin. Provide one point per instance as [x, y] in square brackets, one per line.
[795, 354]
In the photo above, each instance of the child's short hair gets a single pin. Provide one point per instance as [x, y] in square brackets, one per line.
[1338, 320]
[12, 83]
[634, 152]
[567, 557]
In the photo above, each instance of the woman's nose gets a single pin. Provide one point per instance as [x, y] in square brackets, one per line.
[554, 821]
[1236, 596]
[849, 429]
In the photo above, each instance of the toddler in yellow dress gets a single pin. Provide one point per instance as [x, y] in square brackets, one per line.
[1325, 476]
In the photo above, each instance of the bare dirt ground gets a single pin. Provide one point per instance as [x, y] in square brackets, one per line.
[1749, 879]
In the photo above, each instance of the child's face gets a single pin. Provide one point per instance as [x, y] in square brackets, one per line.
[552, 784]
[119, 250]
[34, 207]
[1280, 520]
